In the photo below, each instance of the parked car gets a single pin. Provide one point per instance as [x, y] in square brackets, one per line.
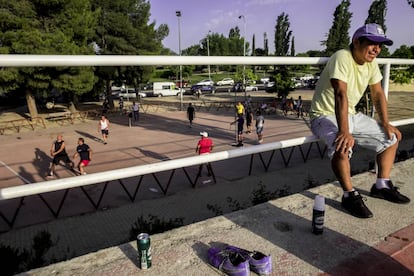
[205, 82]
[238, 87]
[205, 89]
[225, 81]
[251, 88]
[265, 80]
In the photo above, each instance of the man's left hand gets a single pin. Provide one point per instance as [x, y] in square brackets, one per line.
[390, 130]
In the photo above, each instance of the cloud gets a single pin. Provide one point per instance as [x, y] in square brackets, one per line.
[220, 18]
[266, 2]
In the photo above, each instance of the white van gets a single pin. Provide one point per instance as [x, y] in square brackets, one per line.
[162, 89]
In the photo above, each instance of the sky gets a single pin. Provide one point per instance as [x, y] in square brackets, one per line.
[310, 20]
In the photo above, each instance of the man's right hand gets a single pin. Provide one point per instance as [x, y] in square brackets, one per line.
[344, 142]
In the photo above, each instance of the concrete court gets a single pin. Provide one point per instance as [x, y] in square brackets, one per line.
[156, 137]
[234, 231]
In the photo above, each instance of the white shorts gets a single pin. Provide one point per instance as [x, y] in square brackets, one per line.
[365, 130]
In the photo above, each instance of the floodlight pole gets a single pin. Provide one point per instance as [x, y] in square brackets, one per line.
[208, 54]
[244, 54]
[178, 14]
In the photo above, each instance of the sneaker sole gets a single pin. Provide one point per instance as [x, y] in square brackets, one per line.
[382, 197]
[356, 215]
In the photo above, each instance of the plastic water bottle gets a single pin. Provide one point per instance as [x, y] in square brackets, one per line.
[318, 215]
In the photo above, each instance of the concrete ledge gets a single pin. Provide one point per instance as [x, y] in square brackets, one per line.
[281, 228]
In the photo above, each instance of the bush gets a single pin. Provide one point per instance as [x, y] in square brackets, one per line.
[153, 225]
[15, 261]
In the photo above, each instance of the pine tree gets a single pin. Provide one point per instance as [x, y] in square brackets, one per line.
[338, 37]
[282, 35]
[282, 77]
[124, 29]
[43, 27]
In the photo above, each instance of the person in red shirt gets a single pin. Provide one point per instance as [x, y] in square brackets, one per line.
[205, 145]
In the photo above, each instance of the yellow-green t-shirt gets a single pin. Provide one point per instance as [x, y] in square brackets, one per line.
[342, 66]
[239, 109]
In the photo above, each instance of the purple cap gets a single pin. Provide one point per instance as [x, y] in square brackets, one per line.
[372, 32]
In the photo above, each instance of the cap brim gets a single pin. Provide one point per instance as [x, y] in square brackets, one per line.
[380, 39]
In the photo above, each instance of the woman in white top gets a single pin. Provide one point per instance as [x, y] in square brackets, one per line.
[103, 127]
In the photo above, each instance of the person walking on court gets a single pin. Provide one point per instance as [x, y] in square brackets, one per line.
[259, 126]
[240, 124]
[85, 154]
[299, 107]
[249, 120]
[58, 152]
[190, 114]
[135, 110]
[239, 109]
[334, 120]
[103, 128]
[121, 105]
[204, 146]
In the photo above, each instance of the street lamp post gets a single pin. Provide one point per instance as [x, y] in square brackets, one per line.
[208, 54]
[178, 14]
[244, 54]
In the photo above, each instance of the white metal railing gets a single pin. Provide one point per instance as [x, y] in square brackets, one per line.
[97, 178]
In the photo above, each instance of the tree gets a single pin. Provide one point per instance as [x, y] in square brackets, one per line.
[253, 45]
[235, 42]
[282, 35]
[124, 29]
[403, 75]
[338, 37]
[43, 27]
[376, 14]
[292, 47]
[266, 44]
[283, 81]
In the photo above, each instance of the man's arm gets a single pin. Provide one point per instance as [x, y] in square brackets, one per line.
[52, 149]
[380, 103]
[344, 140]
[90, 153]
[53, 152]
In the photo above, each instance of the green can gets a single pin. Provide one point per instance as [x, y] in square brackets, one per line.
[144, 250]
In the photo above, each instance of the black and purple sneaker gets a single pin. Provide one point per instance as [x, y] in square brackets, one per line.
[259, 263]
[228, 261]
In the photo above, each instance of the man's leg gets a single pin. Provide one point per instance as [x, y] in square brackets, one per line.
[383, 188]
[385, 161]
[351, 199]
[326, 128]
[342, 169]
[52, 169]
